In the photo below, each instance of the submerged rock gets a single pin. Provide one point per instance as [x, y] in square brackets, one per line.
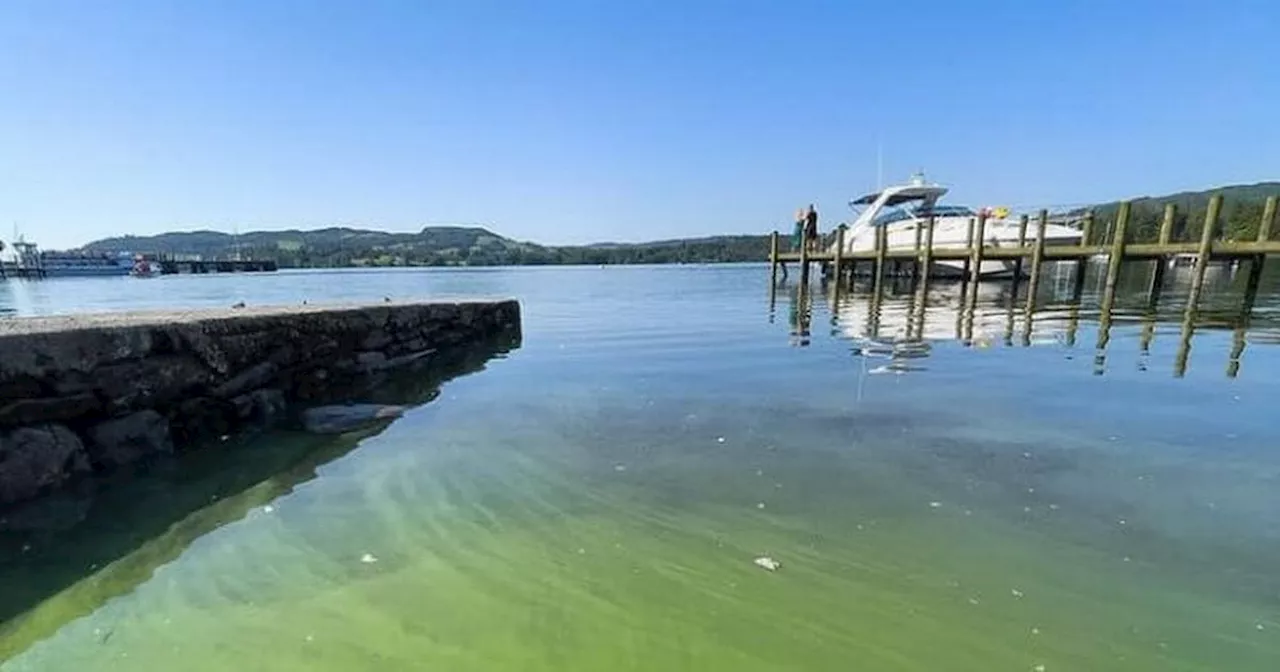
[348, 418]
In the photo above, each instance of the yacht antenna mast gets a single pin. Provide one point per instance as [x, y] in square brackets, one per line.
[879, 164]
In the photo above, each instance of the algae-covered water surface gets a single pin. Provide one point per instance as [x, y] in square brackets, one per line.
[597, 499]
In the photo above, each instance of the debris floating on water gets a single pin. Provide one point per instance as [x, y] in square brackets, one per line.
[934, 505]
[766, 562]
[719, 439]
[760, 505]
[368, 559]
[1038, 668]
[268, 508]
[619, 468]
[1016, 593]
[1035, 631]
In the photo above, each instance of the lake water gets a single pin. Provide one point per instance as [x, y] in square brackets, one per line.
[596, 499]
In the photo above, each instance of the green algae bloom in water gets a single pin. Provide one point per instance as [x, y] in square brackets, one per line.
[600, 498]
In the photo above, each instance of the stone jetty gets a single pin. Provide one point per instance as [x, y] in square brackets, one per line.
[91, 393]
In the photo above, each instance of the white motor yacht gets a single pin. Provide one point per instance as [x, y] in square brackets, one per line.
[905, 209]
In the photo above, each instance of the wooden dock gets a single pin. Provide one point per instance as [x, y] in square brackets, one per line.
[916, 264]
[839, 265]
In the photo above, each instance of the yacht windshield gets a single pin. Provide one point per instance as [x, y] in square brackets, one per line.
[891, 215]
[923, 210]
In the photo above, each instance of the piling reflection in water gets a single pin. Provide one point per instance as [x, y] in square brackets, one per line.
[909, 314]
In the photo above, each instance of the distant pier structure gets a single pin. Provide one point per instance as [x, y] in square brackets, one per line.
[26, 263]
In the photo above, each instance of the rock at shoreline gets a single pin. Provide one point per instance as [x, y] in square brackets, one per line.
[124, 440]
[348, 418]
[35, 458]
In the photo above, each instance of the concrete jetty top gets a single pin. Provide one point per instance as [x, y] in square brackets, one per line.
[37, 324]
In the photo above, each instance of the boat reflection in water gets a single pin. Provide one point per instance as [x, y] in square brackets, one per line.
[897, 329]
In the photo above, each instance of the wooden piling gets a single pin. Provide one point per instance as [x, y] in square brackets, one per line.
[1037, 258]
[1022, 241]
[976, 267]
[882, 244]
[1246, 309]
[1166, 223]
[1010, 319]
[804, 262]
[1206, 246]
[1161, 263]
[837, 264]
[1184, 344]
[968, 243]
[1086, 233]
[1268, 220]
[1148, 330]
[1256, 264]
[1114, 259]
[1237, 347]
[1258, 260]
[773, 259]
[915, 271]
[1197, 283]
[925, 264]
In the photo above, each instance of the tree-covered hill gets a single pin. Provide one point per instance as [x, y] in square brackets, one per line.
[432, 246]
[1241, 213]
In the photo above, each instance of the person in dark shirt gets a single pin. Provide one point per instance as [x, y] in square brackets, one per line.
[811, 227]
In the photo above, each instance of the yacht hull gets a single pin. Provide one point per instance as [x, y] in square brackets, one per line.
[954, 232]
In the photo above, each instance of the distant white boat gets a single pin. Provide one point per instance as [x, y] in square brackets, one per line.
[904, 211]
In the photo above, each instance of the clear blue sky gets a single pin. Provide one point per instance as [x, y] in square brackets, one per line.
[566, 122]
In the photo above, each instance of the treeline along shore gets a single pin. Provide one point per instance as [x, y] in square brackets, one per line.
[338, 247]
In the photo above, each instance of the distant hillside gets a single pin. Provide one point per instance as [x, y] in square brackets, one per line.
[1241, 213]
[476, 246]
[432, 246]
[337, 246]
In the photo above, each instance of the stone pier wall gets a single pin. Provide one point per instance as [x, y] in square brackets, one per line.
[82, 394]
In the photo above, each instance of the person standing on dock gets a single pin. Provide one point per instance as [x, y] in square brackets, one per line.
[797, 233]
[811, 228]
